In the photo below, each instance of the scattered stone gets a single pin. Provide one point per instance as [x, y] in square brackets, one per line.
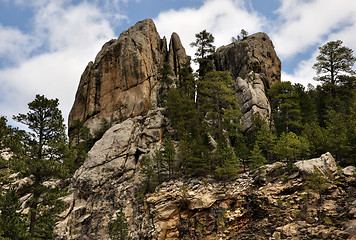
[349, 171]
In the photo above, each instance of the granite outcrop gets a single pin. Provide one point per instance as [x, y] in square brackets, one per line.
[255, 67]
[123, 80]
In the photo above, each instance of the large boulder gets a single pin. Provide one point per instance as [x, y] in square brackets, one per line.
[255, 66]
[122, 82]
[325, 163]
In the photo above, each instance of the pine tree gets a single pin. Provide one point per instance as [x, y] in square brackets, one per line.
[265, 140]
[81, 141]
[256, 158]
[227, 163]
[204, 42]
[12, 222]
[150, 179]
[333, 61]
[216, 97]
[290, 147]
[194, 157]
[42, 156]
[337, 133]
[169, 153]
[285, 108]
[244, 33]
[118, 229]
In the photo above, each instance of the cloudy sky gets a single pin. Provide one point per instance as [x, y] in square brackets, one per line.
[46, 44]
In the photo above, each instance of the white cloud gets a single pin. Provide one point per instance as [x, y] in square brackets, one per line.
[303, 73]
[14, 45]
[305, 23]
[70, 36]
[223, 18]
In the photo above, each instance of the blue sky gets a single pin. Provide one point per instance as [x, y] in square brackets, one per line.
[46, 44]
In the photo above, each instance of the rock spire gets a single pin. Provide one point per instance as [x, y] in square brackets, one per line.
[122, 81]
[255, 66]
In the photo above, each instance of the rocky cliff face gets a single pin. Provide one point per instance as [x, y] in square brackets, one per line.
[109, 178]
[255, 66]
[122, 82]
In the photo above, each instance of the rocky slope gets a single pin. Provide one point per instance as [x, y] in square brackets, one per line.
[255, 66]
[122, 82]
[273, 203]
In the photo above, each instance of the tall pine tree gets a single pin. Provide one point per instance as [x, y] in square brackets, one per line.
[41, 158]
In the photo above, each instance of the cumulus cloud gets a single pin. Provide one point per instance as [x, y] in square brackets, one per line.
[223, 18]
[14, 45]
[306, 23]
[66, 37]
[303, 73]
[303, 25]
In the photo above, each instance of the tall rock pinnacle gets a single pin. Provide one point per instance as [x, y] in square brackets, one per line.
[122, 82]
[255, 66]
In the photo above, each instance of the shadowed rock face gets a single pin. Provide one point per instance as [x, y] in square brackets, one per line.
[122, 82]
[255, 66]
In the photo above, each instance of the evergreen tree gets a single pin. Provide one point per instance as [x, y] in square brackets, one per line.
[79, 133]
[217, 100]
[204, 42]
[285, 108]
[81, 141]
[5, 132]
[186, 81]
[118, 229]
[227, 163]
[104, 126]
[306, 104]
[290, 147]
[333, 61]
[181, 110]
[166, 82]
[351, 137]
[194, 157]
[205, 48]
[337, 133]
[12, 222]
[244, 33]
[256, 158]
[42, 157]
[169, 153]
[150, 179]
[265, 140]
[317, 138]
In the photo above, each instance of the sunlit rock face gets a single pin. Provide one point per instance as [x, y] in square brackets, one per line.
[122, 82]
[255, 66]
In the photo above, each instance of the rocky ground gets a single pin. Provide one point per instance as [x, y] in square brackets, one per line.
[274, 205]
